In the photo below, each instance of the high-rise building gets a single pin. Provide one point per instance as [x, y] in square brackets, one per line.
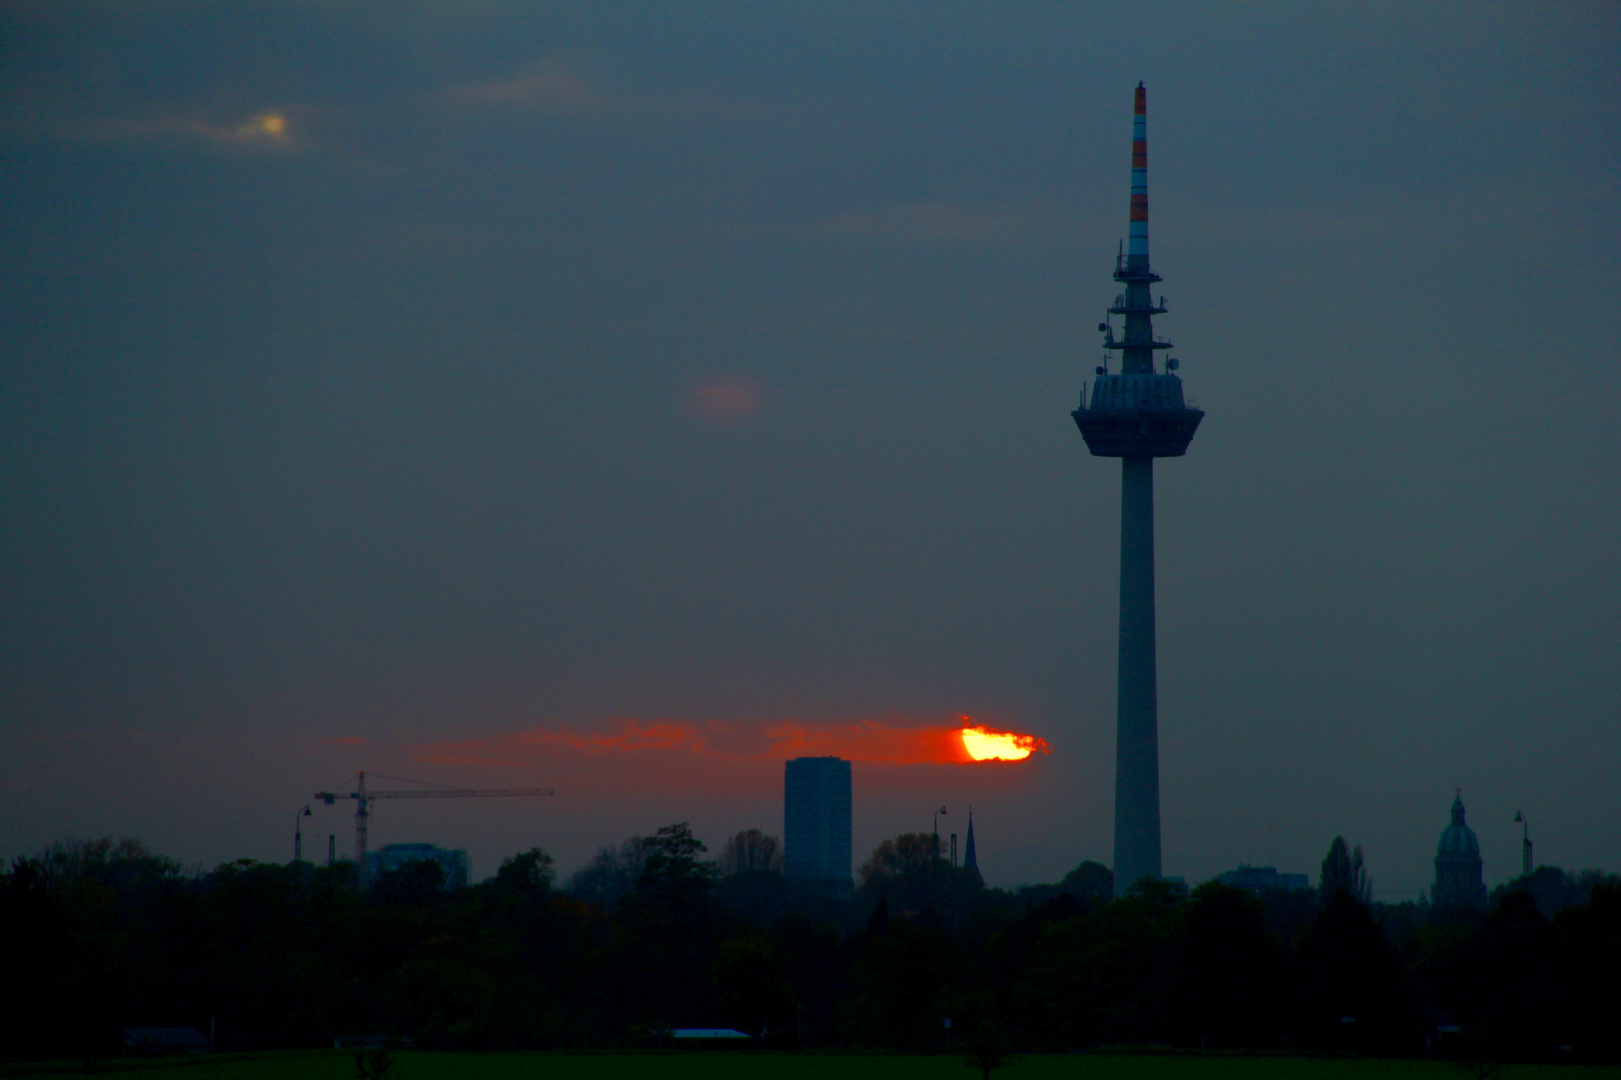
[1136, 414]
[1458, 864]
[816, 820]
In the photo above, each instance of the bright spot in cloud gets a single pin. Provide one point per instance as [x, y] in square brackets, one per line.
[984, 744]
[549, 88]
[727, 400]
[270, 125]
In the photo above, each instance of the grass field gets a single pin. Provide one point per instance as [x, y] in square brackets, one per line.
[421, 1065]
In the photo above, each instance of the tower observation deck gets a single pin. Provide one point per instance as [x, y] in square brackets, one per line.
[1136, 414]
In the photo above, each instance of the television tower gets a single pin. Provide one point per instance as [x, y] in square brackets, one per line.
[1136, 414]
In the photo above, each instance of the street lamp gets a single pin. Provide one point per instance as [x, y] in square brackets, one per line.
[298, 834]
[1525, 844]
[937, 814]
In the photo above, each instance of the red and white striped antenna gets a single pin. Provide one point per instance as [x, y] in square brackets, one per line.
[1137, 239]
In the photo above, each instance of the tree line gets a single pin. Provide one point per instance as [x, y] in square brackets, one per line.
[653, 935]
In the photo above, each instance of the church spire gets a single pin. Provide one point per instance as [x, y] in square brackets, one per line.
[970, 860]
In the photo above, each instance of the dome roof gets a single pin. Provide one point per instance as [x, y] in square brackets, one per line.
[1458, 838]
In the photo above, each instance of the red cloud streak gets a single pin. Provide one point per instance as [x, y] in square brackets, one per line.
[873, 741]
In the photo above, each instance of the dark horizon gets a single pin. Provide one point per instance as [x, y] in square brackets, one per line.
[450, 392]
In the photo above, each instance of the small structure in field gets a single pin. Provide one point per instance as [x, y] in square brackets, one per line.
[165, 1040]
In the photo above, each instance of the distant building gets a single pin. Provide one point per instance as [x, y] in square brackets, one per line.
[395, 856]
[1458, 864]
[1260, 879]
[180, 1040]
[816, 820]
[708, 1033]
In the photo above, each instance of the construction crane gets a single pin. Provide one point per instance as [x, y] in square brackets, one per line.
[363, 800]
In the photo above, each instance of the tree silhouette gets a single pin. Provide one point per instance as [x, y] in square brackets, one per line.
[905, 982]
[907, 855]
[1347, 967]
[672, 926]
[751, 850]
[878, 921]
[611, 875]
[373, 1064]
[528, 873]
[109, 935]
[1230, 968]
[1091, 880]
[1343, 872]
[754, 992]
[672, 873]
[1587, 946]
[987, 1047]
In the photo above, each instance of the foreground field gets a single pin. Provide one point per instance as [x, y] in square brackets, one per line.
[336, 1065]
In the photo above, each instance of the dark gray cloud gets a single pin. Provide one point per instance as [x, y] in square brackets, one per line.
[362, 366]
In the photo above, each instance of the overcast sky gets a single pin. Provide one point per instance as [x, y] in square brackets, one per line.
[588, 395]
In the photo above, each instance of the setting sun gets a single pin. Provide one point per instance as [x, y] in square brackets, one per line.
[983, 744]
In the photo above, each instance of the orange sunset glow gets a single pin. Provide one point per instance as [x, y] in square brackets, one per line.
[984, 744]
[891, 741]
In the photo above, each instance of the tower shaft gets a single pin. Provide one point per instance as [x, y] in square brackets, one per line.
[1136, 774]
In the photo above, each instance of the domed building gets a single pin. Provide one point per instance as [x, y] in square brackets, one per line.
[1458, 865]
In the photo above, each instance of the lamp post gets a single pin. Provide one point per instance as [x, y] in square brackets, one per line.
[937, 814]
[298, 834]
[1525, 844]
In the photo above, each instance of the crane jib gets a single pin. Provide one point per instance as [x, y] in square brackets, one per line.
[330, 797]
[458, 793]
[364, 799]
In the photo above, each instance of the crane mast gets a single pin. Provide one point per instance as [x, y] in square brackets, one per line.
[364, 799]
